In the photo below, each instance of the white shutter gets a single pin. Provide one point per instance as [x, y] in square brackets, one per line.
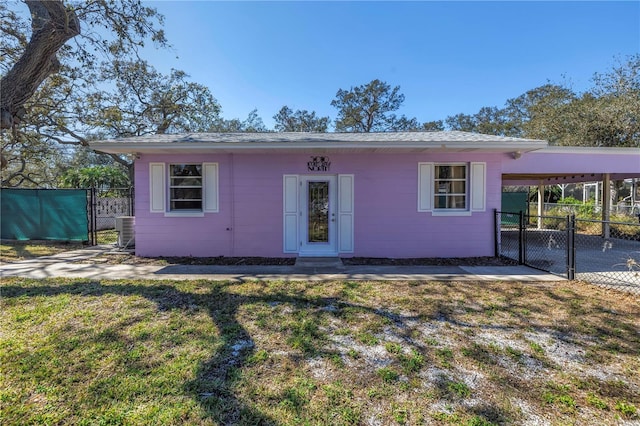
[478, 186]
[157, 189]
[290, 189]
[425, 187]
[345, 213]
[210, 187]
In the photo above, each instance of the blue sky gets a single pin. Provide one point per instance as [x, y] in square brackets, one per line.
[446, 57]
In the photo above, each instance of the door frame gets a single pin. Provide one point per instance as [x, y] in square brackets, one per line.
[318, 249]
[343, 207]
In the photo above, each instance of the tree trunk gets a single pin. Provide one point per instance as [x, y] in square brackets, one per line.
[52, 26]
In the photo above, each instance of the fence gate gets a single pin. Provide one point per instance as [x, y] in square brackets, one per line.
[45, 214]
[606, 253]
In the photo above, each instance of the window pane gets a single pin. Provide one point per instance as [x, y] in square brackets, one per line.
[186, 170]
[458, 172]
[450, 186]
[318, 211]
[458, 187]
[443, 187]
[186, 205]
[186, 193]
[186, 181]
[457, 202]
[443, 172]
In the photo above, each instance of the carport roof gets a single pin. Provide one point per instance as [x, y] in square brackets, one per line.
[554, 165]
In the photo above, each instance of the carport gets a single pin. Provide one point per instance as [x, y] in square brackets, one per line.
[558, 165]
[599, 251]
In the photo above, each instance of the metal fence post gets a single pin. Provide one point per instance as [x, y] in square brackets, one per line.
[521, 237]
[496, 229]
[94, 208]
[571, 247]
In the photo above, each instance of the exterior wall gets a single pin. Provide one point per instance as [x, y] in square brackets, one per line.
[250, 218]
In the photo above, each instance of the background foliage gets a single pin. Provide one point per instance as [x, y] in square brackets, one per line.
[103, 88]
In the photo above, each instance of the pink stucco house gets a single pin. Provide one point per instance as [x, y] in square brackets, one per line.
[417, 194]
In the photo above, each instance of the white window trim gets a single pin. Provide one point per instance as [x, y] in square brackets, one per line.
[159, 186]
[186, 213]
[171, 187]
[475, 189]
[466, 187]
[450, 212]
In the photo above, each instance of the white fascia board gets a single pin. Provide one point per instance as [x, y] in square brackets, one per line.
[589, 150]
[186, 147]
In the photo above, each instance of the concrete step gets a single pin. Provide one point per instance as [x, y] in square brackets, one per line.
[319, 262]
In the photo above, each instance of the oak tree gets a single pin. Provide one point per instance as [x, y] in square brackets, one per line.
[371, 108]
[287, 120]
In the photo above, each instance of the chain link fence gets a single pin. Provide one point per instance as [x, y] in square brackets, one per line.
[606, 253]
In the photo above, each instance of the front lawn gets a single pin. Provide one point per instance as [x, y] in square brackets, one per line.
[12, 251]
[200, 352]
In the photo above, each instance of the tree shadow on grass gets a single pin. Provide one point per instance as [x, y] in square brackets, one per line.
[215, 385]
[218, 380]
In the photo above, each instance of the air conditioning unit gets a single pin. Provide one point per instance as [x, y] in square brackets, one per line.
[126, 233]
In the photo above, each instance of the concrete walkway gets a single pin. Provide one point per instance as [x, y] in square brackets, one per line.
[62, 265]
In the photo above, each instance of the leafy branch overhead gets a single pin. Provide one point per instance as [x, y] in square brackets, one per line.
[128, 24]
[71, 72]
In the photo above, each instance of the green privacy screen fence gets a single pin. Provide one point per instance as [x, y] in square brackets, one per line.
[44, 214]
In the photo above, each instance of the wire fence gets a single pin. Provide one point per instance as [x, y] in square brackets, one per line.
[606, 253]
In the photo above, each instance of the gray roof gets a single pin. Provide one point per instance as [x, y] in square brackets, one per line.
[452, 140]
[293, 137]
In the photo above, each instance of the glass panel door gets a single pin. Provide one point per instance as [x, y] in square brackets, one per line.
[318, 212]
[318, 230]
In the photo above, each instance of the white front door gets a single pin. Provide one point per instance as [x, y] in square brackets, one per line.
[318, 230]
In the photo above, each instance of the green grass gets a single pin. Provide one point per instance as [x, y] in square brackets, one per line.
[93, 352]
[107, 236]
[11, 251]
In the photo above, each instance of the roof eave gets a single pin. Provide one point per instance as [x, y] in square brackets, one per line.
[114, 147]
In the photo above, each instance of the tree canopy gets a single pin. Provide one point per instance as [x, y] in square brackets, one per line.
[29, 60]
[252, 124]
[99, 88]
[287, 120]
[606, 115]
[103, 177]
[59, 95]
[371, 108]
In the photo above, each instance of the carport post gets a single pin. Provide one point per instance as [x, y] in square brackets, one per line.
[606, 204]
[540, 203]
